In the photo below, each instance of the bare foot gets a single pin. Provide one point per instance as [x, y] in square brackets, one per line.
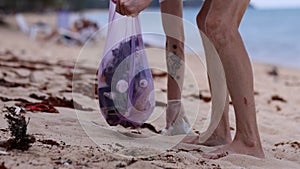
[213, 140]
[177, 122]
[216, 140]
[237, 147]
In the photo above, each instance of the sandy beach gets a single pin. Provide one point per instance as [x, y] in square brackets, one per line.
[73, 134]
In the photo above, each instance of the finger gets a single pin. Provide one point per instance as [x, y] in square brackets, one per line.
[134, 14]
[127, 8]
[130, 11]
[118, 6]
[134, 7]
[122, 7]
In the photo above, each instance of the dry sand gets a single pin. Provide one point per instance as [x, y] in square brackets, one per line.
[46, 69]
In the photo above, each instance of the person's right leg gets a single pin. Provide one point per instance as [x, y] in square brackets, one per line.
[221, 25]
[221, 134]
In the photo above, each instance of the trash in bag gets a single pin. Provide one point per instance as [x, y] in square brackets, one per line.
[125, 84]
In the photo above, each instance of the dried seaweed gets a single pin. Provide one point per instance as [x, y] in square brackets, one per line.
[2, 166]
[273, 72]
[158, 74]
[49, 104]
[206, 99]
[63, 102]
[150, 127]
[35, 96]
[17, 126]
[200, 96]
[6, 83]
[293, 144]
[5, 99]
[160, 104]
[42, 107]
[49, 142]
[278, 98]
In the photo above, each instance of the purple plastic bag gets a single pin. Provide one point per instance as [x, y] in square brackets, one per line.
[125, 84]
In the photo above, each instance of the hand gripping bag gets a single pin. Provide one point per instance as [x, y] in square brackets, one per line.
[125, 84]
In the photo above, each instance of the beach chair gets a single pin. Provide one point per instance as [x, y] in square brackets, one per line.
[34, 29]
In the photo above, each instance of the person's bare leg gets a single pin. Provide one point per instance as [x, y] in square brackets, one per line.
[222, 134]
[221, 25]
[173, 26]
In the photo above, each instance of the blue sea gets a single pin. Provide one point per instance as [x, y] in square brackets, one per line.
[270, 35]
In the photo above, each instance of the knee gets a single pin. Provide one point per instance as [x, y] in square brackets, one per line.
[215, 28]
[219, 30]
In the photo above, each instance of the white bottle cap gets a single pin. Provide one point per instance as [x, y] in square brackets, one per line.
[122, 86]
[143, 83]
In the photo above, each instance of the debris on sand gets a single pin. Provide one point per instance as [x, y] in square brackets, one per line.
[204, 97]
[150, 127]
[42, 107]
[5, 99]
[63, 102]
[278, 98]
[35, 96]
[49, 103]
[278, 108]
[160, 104]
[6, 83]
[273, 72]
[293, 144]
[49, 142]
[17, 126]
[2, 166]
[158, 73]
[4, 153]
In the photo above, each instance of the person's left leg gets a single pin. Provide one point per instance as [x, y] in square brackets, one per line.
[173, 26]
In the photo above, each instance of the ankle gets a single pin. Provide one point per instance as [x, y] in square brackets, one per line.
[221, 136]
[222, 132]
[174, 112]
[248, 141]
[216, 140]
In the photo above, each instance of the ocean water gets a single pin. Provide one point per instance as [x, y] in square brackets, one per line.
[273, 36]
[270, 36]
